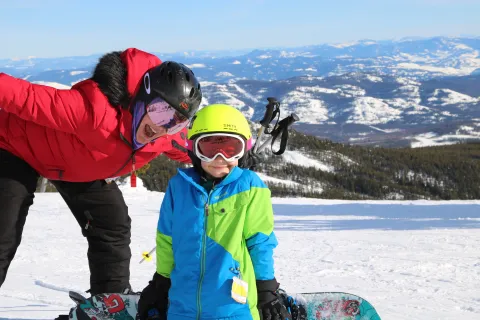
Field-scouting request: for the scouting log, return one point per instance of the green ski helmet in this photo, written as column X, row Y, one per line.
column 220, row 118
column 217, row 118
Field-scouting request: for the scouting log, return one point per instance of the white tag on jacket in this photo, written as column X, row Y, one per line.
column 239, row 290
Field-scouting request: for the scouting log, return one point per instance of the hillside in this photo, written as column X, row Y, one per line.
column 322, row 169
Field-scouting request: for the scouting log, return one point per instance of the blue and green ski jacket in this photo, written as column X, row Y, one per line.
column 206, row 239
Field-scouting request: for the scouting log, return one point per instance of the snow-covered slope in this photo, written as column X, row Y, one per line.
column 411, row 260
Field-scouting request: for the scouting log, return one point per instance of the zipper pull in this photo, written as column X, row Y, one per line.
column 206, row 209
column 89, row 218
column 133, row 162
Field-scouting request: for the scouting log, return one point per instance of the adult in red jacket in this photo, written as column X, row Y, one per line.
column 133, row 108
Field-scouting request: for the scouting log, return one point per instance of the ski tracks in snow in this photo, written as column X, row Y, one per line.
column 35, row 303
column 329, row 251
column 38, row 298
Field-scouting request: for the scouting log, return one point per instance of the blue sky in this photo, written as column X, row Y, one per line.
column 53, row 28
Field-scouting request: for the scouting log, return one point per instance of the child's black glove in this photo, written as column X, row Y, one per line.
column 270, row 305
column 153, row 303
column 296, row 309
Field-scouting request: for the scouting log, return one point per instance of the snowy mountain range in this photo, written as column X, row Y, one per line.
column 404, row 92
column 361, row 108
column 420, row 58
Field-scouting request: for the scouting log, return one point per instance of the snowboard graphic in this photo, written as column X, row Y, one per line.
column 104, row 306
column 336, row 306
column 319, row 306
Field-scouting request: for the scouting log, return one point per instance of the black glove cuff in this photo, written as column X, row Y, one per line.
column 154, row 296
column 162, row 284
column 266, row 291
column 267, row 285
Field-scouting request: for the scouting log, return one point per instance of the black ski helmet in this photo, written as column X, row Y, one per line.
column 176, row 84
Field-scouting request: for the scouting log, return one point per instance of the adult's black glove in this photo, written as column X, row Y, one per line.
column 270, row 305
column 153, row 303
column 250, row 160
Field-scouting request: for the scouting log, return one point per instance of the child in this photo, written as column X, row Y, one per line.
column 215, row 235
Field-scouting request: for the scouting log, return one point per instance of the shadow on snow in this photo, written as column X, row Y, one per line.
column 376, row 216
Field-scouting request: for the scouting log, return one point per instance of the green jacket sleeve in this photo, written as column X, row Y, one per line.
column 258, row 230
column 164, row 250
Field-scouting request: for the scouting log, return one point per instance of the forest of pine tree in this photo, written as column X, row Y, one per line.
column 440, row 172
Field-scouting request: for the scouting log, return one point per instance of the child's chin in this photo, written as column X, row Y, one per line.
column 217, row 174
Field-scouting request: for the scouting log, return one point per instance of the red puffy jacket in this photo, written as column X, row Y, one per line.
column 76, row 134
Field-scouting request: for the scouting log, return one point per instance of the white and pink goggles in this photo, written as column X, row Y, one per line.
column 229, row 146
column 164, row 115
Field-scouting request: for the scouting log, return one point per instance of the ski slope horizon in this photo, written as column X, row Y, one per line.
column 410, row 259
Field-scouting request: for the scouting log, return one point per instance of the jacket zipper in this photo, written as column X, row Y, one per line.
column 131, row 158
column 203, row 258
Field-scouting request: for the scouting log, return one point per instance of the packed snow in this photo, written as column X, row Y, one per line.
column 196, row 65
column 305, row 106
column 268, row 179
column 264, row 56
column 245, row 93
column 448, row 97
column 343, row 45
column 410, row 259
column 223, row 92
column 298, row 158
column 350, row 91
column 411, row 93
column 224, row 74
column 369, row 110
column 385, row 130
column 75, row 73
column 374, row 78
column 317, row 89
column 431, row 139
column 450, row 71
column 407, row 81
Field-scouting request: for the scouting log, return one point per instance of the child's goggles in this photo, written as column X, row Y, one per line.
column 164, row 115
column 229, row 146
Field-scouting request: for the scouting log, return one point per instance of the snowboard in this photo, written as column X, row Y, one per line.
column 318, row 305
column 336, row 306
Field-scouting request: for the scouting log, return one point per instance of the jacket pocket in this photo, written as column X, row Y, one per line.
column 235, row 203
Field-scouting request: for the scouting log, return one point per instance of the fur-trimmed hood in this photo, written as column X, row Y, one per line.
column 118, row 74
